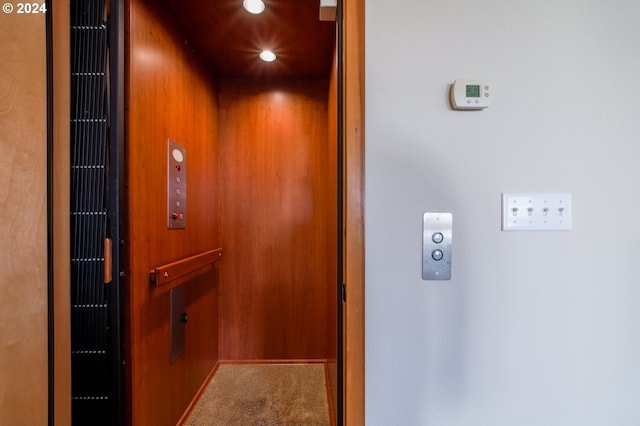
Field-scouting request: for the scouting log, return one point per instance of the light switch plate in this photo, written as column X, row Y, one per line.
column 536, row 212
column 436, row 246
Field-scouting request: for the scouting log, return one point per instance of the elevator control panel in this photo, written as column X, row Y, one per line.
column 436, row 246
column 176, row 186
column 470, row 94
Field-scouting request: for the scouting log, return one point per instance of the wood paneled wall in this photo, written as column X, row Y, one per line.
column 23, row 236
column 274, row 206
column 169, row 95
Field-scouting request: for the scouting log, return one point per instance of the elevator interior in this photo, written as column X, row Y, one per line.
column 260, row 142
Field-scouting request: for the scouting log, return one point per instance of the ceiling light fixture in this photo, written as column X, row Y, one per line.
column 267, row 56
column 253, row 6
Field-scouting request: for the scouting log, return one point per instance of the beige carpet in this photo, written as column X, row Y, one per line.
column 265, row 395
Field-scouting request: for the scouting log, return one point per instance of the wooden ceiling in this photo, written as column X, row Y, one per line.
column 230, row 38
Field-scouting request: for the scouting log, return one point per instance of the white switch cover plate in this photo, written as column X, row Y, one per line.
column 536, row 212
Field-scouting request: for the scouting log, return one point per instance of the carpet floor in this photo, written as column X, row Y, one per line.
column 264, row 395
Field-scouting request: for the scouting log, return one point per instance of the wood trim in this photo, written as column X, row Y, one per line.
column 330, row 393
column 178, row 272
column 61, row 206
column 354, row 211
column 272, row 361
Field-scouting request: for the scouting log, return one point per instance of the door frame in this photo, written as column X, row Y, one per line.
column 59, row 297
column 353, row 260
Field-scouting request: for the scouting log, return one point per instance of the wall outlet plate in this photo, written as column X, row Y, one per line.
column 536, row 212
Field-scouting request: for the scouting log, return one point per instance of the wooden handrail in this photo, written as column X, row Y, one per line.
column 178, row 272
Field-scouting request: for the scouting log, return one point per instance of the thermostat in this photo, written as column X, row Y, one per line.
column 470, row 94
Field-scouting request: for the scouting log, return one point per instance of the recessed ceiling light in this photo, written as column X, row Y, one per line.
column 253, row 6
column 267, row 56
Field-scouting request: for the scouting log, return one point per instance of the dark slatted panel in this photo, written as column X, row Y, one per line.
column 91, row 390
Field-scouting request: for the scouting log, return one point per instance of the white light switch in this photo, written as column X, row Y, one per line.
column 536, row 212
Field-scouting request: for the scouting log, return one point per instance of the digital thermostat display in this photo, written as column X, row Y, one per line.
column 470, row 94
column 473, row 91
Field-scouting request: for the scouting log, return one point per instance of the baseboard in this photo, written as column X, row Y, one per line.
column 272, row 361
column 198, row 394
column 329, row 389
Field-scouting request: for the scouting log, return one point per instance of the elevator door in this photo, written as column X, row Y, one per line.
column 95, row 320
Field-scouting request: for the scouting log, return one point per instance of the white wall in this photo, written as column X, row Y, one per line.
column 537, row 328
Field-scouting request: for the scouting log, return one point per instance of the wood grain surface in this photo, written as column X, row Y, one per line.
column 169, row 95
column 274, row 185
column 354, row 102
column 23, row 195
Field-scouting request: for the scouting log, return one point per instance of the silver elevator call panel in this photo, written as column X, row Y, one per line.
column 436, row 246
column 176, row 186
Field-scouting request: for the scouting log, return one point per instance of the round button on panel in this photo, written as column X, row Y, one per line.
column 437, row 237
column 437, row 255
column 177, row 155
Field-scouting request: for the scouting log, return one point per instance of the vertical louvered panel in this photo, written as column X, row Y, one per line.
column 91, row 390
